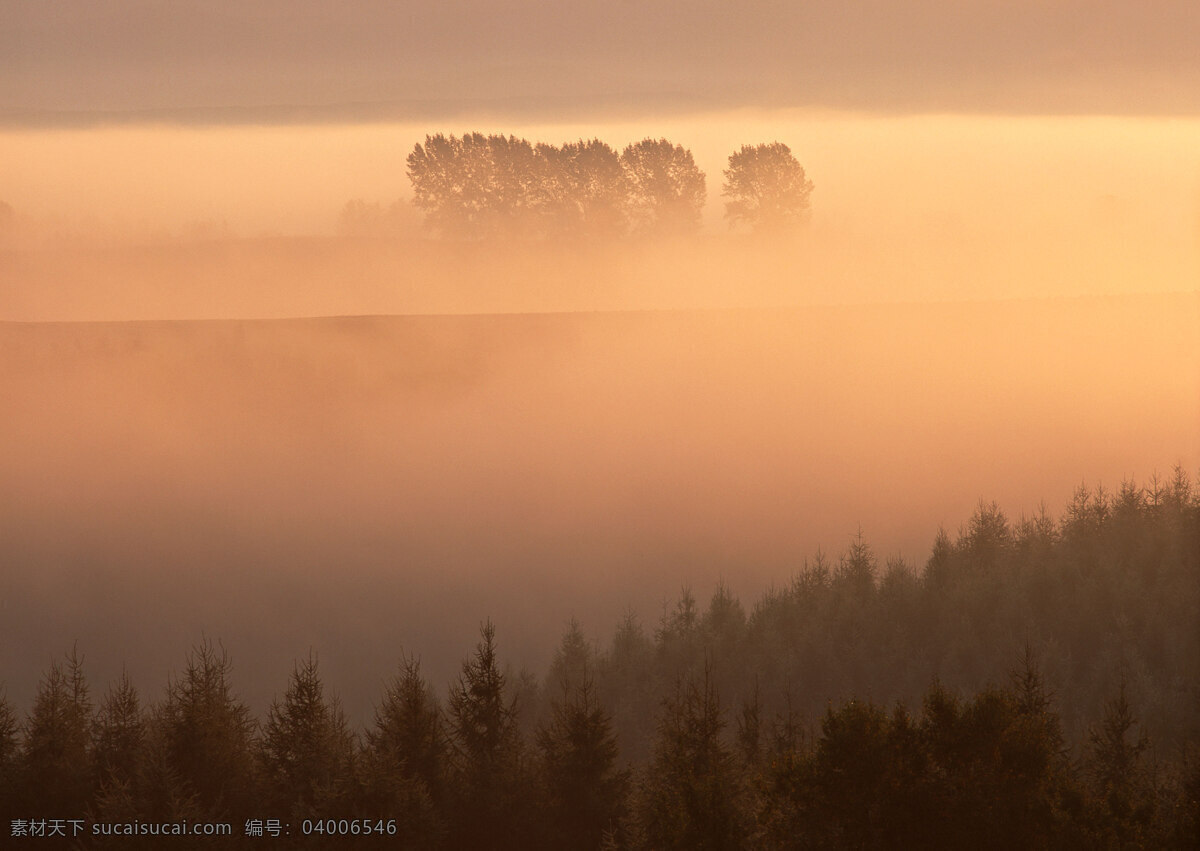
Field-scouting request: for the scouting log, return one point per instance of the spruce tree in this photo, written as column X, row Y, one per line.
column 207, row 736
column 691, row 795
column 585, row 791
column 404, row 761
column 1123, row 802
column 307, row 750
column 488, row 770
column 9, row 754
column 120, row 734
column 57, row 773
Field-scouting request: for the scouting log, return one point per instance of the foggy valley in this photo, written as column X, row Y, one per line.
column 609, row 425
column 363, row 485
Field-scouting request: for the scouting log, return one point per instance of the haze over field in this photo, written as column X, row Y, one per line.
column 161, row 222
column 365, row 484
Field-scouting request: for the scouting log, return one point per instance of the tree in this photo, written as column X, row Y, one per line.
column 120, row 734
column 855, row 573
column 57, row 773
column 307, row 749
column 207, row 735
column 692, row 795
column 487, row 751
column 122, row 761
column 996, row 768
column 584, row 189
column 666, row 189
column 585, row 791
column 627, row 685
column 572, row 658
column 8, row 754
column 405, row 760
column 1124, row 801
column 766, row 187
column 475, row 186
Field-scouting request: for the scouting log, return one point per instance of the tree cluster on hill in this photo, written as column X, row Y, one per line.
column 1036, row 686
column 478, row 186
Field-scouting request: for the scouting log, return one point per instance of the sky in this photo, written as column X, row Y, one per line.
column 71, row 61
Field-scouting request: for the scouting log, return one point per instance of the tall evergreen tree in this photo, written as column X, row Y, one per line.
column 57, row 772
column 207, row 735
column 1124, row 801
column 120, row 732
column 126, row 783
column 488, row 770
column 404, row 762
column 626, row 683
column 585, row 792
column 9, row 755
column 691, row 796
column 307, row 750
column 572, row 661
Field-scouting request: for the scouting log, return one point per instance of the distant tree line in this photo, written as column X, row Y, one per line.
column 1037, row 685
column 478, row 186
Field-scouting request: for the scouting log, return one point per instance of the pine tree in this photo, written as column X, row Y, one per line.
column 855, row 574
column 120, row 733
column 9, row 755
column 207, row 736
column 307, row 750
column 57, row 772
column 488, row 770
column 848, row 778
column 585, row 792
column 571, row 661
column 1035, row 700
column 749, row 730
column 626, row 685
column 126, row 785
column 691, row 795
column 120, row 736
column 404, row 761
column 1124, row 802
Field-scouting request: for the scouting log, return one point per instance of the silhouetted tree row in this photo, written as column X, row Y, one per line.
column 477, row 186
column 1058, row 708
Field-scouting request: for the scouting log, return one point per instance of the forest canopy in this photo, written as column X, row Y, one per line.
column 1034, row 685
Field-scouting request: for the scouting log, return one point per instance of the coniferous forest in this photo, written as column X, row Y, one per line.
column 1035, row 684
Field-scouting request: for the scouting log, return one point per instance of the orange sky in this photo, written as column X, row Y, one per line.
column 194, row 60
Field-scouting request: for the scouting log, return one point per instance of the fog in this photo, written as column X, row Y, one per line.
column 979, row 308
column 235, row 222
column 364, row 485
